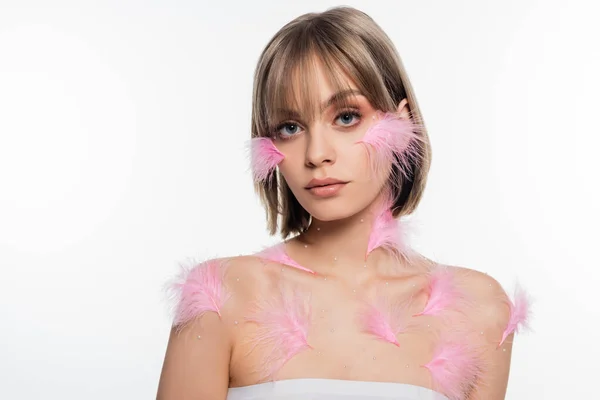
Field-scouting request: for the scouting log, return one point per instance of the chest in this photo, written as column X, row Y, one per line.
column 335, row 330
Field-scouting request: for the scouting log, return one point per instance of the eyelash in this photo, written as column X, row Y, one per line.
column 351, row 111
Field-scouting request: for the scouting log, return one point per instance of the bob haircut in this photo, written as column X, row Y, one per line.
column 346, row 41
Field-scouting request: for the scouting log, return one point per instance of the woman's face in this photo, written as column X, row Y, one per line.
column 327, row 150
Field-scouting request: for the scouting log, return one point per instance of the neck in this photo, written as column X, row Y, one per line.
column 343, row 245
column 345, row 239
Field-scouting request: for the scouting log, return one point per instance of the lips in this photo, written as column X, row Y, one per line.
column 323, row 182
column 324, row 188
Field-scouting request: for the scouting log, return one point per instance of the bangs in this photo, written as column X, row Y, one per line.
column 292, row 92
column 291, row 87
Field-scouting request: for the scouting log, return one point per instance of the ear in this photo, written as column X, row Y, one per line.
column 403, row 109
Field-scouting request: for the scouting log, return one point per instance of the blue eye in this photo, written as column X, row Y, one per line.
column 283, row 131
column 347, row 117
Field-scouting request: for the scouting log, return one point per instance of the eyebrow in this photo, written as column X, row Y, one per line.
column 334, row 98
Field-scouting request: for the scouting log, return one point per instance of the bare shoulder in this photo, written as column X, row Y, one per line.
column 489, row 314
column 209, row 299
column 487, row 296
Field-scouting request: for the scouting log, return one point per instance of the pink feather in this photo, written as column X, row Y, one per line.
column 278, row 254
column 200, row 290
column 283, row 321
column 392, row 140
column 454, row 368
column 388, row 232
column 443, row 291
column 264, row 158
column 384, row 320
column 519, row 313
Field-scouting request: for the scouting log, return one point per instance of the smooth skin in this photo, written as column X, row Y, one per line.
column 207, row 356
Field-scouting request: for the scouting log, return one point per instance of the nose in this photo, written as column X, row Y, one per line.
column 319, row 148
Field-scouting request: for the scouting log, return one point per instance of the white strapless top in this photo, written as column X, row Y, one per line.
column 332, row 389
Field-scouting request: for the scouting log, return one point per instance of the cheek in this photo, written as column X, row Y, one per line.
column 359, row 162
column 291, row 168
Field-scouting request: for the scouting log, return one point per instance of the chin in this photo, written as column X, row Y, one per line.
column 332, row 212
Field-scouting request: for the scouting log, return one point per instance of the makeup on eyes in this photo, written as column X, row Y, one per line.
column 352, row 110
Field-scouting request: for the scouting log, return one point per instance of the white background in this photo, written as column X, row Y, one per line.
column 122, row 134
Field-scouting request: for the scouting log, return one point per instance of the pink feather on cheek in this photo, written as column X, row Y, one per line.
column 392, row 140
column 264, row 158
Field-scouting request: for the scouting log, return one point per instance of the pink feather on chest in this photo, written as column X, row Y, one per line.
column 282, row 323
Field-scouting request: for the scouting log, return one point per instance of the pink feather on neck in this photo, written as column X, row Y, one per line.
column 454, row 368
column 392, row 140
column 388, row 232
column 200, row 290
column 282, row 327
column 519, row 313
column 443, row 291
column 278, row 254
column 264, row 158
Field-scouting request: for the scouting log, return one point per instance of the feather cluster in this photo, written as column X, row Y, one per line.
column 200, row 290
column 519, row 313
column 278, row 254
column 282, row 328
column 454, row 368
column 264, row 158
column 392, row 140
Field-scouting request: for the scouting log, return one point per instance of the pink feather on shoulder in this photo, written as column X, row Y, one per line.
column 282, row 327
column 278, row 254
column 519, row 313
column 392, row 140
column 454, row 367
column 443, row 291
column 264, row 158
column 200, row 290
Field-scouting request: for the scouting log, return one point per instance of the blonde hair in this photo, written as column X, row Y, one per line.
column 346, row 41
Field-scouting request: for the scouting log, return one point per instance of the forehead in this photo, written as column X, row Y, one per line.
column 311, row 87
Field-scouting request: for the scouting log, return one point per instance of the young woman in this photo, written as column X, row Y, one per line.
column 343, row 308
